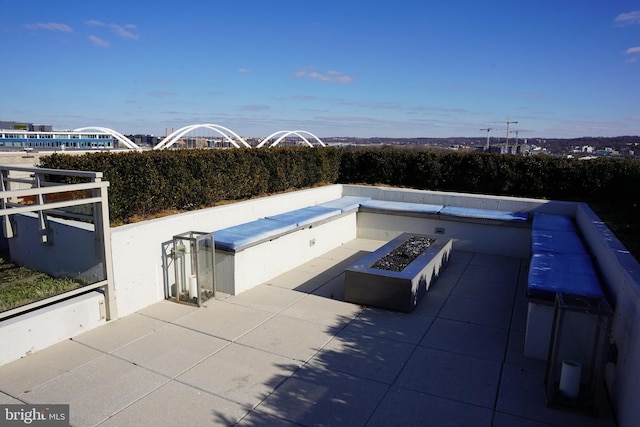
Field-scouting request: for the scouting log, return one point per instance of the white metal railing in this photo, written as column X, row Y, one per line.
column 24, row 190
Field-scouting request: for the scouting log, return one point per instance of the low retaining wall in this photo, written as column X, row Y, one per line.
column 621, row 272
column 469, row 236
column 50, row 325
column 142, row 264
column 237, row 272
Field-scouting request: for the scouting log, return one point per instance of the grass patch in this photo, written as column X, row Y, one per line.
column 20, row 286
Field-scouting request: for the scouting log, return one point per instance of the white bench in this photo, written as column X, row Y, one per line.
column 254, row 252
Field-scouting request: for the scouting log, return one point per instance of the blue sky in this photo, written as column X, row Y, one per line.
column 403, row 68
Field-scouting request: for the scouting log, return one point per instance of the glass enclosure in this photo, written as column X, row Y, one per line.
column 578, row 353
column 194, row 259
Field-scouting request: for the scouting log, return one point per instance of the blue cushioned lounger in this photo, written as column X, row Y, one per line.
column 553, row 222
column 556, row 242
column 571, row 273
column 384, row 206
column 250, row 233
column 346, row 203
column 485, row 214
column 305, row 216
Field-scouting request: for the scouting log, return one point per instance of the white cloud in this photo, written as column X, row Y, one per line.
column 632, row 50
column 95, row 23
column 328, row 76
column 627, row 18
column 124, row 31
column 98, row 41
column 52, row 26
column 243, row 70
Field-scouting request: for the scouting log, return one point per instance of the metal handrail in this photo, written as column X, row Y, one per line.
column 29, row 182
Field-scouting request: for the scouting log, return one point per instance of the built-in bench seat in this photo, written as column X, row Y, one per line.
column 245, row 251
column 243, row 236
column 485, row 214
column 559, row 263
column 254, row 252
column 553, row 223
column 558, row 242
column 559, row 260
column 400, row 208
column 550, row 273
column 471, row 228
column 454, row 212
column 346, row 203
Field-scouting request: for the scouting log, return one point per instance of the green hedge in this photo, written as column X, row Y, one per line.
column 150, row 182
column 604, row 179
column 144, row 184
column 611, row 186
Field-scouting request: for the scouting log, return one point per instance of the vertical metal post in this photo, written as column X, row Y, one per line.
column 7, row 226
column 42, row 216
column 103, row 231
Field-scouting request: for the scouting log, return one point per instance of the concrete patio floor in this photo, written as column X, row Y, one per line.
column 290, row 352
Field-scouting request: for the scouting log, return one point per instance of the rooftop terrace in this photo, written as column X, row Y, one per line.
column 291, row 352
column 281, row 347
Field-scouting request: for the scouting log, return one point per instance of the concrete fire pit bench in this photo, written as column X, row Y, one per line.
column 396, row 290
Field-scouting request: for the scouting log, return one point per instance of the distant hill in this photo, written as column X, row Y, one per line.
column 624, row 145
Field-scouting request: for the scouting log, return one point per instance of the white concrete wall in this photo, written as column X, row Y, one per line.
column 477, row 201
column 44, row 327
column 467, row 236
column 238, row 272
column 621, row 272
column 139, row 249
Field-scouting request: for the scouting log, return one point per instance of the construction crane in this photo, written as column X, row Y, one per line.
column 516, row 132
column 486, row 147
column 506, row 142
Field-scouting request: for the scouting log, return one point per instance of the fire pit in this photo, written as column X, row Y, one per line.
column 396, row 276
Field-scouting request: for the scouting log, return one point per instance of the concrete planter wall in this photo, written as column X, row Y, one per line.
column 141, row 263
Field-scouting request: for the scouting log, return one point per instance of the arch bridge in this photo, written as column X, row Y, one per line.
column 117, row 135
column 226, row 133
column 285, row 133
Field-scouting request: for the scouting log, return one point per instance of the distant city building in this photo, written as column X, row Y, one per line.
column 144, row 140
column 20, row 136
column 25, row 126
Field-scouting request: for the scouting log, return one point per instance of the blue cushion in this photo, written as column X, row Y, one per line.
column 305, row 216
column 346, row 203
column 553, row 222
column 551, row 241
column 485, row 214
column 247, row 234
column 400, row 207
column 570, row 273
